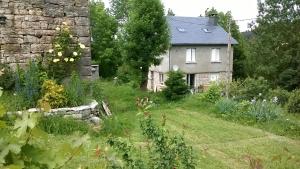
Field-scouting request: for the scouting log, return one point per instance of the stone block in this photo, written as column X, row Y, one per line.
column 82, row 21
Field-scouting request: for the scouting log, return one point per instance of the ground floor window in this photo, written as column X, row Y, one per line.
column 161, row 78
column 214, row 77
column 190, row 80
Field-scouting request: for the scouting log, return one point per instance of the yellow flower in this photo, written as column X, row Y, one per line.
column 71, row 36
column 75, row 53
column 57, row 28
column 64, row 23
column 57, row 45
column 59, row 54
column 66, row 59
column 72, row 60
column 56, row 60
column 51, row 50
column 82, row 46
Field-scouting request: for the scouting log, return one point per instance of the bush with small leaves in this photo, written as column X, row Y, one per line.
column 176, row 86
column 293, row 105
column 213, row 94
column 53, row 94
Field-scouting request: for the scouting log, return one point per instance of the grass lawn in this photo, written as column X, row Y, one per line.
column 217, row 143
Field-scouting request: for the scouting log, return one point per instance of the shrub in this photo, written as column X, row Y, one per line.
column 63, row 126
column 293, row 105
column 7, row 79
column 29, row 82
column 279, row 96
column 75, row 91
column 226, row 106
column 213, row 94
column 263, row 111
column 53, row 94
column 176, row 86
column 249, row 88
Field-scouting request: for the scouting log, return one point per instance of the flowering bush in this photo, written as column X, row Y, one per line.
column 53, row 95
column 279, row 96
column 66, row 51
column 263, row 111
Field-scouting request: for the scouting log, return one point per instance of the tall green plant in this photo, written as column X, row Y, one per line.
column 75, row 91
column 146, row 35
column 176, row 86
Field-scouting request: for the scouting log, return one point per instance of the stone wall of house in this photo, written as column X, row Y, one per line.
column 30, row 26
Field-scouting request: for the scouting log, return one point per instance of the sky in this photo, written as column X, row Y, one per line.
column 241, row 9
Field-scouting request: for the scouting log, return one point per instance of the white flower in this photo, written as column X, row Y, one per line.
column 71, row 36
column 15, row 94
column 57, row 45
column 264, row 100
column 72, row 60
column 56, row 60
column 57, row 28
column 66, row 59
column 82, row 46
column 275, row 99
column 259, row 94
column 59, row 54
column 75, row 53
column 64, row 23
column 50, row 50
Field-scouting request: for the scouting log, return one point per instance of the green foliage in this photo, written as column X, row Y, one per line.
column 75, row 91
column 120, row 10
column 263, row 111
column 28, row 84
column 170, row 12
column 25, row 146
column 249, row 88
column 176, row 86
column 226, row 106
column 105, row 51
column 62, row 126
column 279, row 96
column 113, row 126
column 293, row 105
column 53, row 94
column 7, row 80
column 67, row 50
column 147, row 36
column 213, row 94
column 275, row 48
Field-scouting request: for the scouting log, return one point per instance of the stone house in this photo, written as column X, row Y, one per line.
column 27, row 28
column 199, row 49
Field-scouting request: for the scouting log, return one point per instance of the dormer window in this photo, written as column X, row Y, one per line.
column 181, row 30
column 206, row 30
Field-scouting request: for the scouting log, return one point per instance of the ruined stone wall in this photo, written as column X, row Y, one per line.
column 30, row 26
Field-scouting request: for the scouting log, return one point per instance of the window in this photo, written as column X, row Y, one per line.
column 161, row 78
column 214, row 77
column 191, row 55
column 215, row 55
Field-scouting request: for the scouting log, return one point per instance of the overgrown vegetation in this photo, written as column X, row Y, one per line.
column 176, row 87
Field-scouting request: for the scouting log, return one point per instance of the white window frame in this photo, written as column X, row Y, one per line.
column 190, row 55
column 214, row 77
column 215, row 55
column 161, row 78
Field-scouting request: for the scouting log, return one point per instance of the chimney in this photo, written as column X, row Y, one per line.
column 213, row 19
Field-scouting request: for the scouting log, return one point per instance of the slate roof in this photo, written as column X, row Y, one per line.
column 196, row 31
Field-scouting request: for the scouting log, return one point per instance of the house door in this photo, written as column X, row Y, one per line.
column 190, row 80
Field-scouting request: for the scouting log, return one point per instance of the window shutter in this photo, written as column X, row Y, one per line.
column 193, row 52
column 188, row 55
column 217, row 55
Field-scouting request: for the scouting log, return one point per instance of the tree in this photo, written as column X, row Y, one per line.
column 170, row 12
column 104, row 45
column 120, row 9
column 147, row 37
column 275, row 47
column 176, row 86
column 240, row 53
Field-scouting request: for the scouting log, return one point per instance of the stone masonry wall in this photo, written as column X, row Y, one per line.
column 30, row 26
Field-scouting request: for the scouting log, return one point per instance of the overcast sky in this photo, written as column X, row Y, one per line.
column 241, row 9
